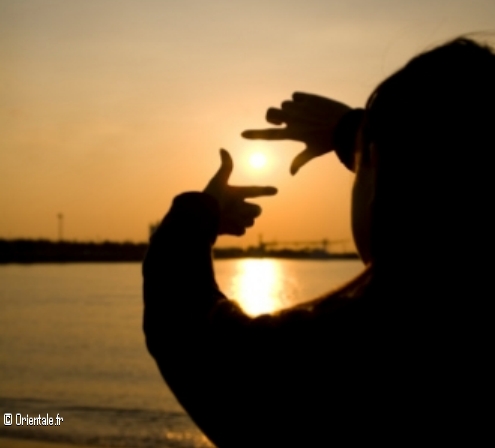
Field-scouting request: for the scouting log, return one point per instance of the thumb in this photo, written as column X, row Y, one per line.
column 301, row 159
column 225, row 169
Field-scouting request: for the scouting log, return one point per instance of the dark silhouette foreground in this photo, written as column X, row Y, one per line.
column 402, row 353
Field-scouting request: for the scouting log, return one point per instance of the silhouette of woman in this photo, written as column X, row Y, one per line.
column 401, row 353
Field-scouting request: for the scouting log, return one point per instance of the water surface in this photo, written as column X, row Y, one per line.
column 71, row 343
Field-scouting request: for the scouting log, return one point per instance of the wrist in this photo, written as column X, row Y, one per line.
column 195, row 214
column 344, row 137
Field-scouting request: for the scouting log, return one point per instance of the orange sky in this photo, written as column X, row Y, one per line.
column 109, row 109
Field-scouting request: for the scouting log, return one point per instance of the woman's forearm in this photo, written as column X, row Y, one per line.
column 179, row 284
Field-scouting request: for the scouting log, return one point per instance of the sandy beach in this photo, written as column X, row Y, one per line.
column 23, row 443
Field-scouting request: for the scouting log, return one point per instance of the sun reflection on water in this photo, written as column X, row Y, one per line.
column 258, row 286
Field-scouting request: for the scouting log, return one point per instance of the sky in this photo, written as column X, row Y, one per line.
column 110, row 108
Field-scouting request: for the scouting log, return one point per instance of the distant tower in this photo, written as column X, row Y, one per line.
column 261, row 244
column 60, row 226
column 324, row 244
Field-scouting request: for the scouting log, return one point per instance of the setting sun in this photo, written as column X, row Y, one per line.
column 257, row 160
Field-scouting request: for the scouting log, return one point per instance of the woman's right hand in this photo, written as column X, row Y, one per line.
column 310, row 119
column 236, row 214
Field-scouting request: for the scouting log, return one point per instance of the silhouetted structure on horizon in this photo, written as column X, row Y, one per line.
column 45, row 251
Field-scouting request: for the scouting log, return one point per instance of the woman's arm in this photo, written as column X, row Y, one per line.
column 220, row 363
column 199, row 339
column 178, row 262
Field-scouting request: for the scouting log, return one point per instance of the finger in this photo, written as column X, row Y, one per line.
column 233, row 229
column 300, row 113
column 238, row 231
column 305, row 113
column 275, row 116
column 225, row 170
column 290, row 107
column 242, row 222
column 300, row 97
column 253, row 192
column 301, row 159
column 249, row 222
column 268, row 134
column 244, row 218
column 250, row 211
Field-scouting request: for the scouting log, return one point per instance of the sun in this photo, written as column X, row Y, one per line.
column 257, row 160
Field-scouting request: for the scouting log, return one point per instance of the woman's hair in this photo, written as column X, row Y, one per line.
column 433, row 126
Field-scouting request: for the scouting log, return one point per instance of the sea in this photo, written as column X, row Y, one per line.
column 72, row 348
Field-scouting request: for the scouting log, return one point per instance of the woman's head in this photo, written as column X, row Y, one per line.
column 429, row 134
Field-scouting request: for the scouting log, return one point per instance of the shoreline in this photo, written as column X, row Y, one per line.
column 45, row 251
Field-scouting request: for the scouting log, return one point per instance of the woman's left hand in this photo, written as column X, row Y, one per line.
column 235, row 213
column 310, row 119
